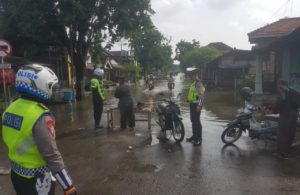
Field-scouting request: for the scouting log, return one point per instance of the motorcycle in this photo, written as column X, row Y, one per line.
column 244, row 121
column 169, row 119
column 171, row 85
column 150, row 85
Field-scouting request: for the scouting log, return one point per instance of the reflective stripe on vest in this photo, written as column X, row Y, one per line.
column 96, row 86
column 18, row 121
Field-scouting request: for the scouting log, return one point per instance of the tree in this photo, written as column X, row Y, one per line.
column 183, row 47
column 77, row 25
column 199, row 56
column 151, row 49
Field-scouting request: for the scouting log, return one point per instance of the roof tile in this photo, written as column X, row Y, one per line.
column 279, row 28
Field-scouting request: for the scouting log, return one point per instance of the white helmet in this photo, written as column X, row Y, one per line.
column 36, row 80
column 98, row 72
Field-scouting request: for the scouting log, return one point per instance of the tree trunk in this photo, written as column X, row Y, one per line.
column 79, row 71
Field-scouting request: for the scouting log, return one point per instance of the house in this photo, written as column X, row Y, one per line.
column 225, row 70
column 122, row 56
column 277, row 48
column 126, row 60
column 220, row 46
column 111, row 68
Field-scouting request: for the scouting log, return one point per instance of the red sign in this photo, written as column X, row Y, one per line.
column 5, row 48
column 9, row 77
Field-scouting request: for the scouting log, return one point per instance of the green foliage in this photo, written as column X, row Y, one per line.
column 248, row 80
column 76, row 25
column 152, row 50
column 183, row 47
column 107, row 82
column 132, row 68
column 198, row 57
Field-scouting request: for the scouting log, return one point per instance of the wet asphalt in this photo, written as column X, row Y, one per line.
column 111, row 162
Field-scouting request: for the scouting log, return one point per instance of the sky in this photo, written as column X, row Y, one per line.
column 226, row 21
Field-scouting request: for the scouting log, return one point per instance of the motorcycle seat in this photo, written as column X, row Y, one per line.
column 162, row 105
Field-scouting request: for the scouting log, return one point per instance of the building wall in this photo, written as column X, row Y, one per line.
column 290, row 69
column 294, row 69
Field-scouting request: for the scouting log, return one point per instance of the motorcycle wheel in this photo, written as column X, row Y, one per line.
column 231, row 134
column 178, row 131
column 161, row 122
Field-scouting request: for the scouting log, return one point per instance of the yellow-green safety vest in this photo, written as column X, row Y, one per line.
column 193, row 94
column 95, row 84
column 18, row 121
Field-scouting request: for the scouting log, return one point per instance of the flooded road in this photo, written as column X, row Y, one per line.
column 103, row 163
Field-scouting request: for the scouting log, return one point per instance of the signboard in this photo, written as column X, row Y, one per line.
column 5, row 66
column 9, row 77
column 5, row 48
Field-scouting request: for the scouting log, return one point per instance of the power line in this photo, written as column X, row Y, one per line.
column 291, row 8
column 281, row 7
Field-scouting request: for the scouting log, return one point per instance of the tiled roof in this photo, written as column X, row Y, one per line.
column 222, row 47
column 237, row 54
column 279, row 28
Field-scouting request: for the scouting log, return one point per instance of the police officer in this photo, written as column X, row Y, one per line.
column 287, row 104
column 196, row 98
column 29, row 134
column 98, row 96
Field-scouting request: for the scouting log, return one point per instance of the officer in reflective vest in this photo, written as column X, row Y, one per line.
column 196, row 98
column 98, row 96
column 29, row 134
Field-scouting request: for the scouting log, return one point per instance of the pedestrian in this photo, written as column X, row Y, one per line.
column 29, row 133
column 171, row 82
column 98, row 96
column 196, row 98
column 125, row 105
column 287, row 104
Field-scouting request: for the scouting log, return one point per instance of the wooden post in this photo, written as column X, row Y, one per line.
column 149, row 120
column 107, row 115
column 112, row 118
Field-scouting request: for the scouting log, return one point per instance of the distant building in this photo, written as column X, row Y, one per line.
column 122, row 57
column 224, row 70
column 220, row 46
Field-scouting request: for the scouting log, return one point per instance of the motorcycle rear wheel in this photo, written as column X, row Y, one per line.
column 178, row 131
column 231, row 134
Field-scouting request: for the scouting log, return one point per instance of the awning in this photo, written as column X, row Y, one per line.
column 111, row 64
column 191, row 69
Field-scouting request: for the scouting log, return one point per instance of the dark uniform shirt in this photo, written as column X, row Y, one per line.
column 123, row 93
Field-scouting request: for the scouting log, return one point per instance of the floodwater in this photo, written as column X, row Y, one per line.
column 111, row 162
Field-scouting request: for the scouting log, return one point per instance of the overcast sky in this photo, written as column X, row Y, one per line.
column 226, row 21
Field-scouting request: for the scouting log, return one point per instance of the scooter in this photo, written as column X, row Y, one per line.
column 244, row 121
column 169, row 119
column 150, row 85
column 171, row 85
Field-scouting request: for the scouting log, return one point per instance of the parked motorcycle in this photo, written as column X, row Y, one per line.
column 169, row 119
column 244, row 121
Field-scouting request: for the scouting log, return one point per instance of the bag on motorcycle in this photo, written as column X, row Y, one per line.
column 255, row 128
